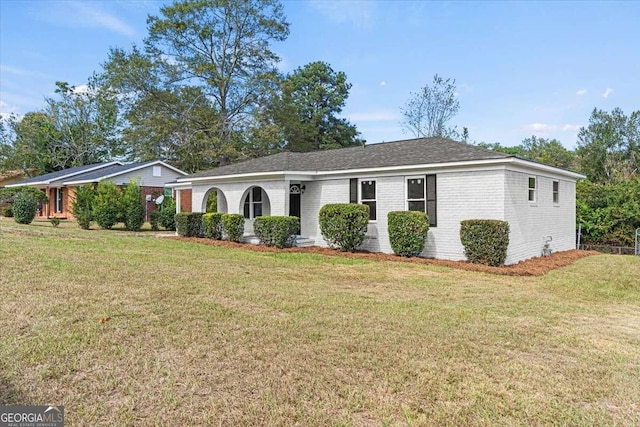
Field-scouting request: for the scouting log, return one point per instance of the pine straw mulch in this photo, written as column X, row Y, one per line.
column 538, row 266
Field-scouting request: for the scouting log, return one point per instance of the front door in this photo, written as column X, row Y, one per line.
column 294, row 200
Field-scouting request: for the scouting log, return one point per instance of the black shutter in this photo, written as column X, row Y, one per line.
column 432, row 202
column 353, row 190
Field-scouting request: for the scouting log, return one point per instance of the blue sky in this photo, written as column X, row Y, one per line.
column 521, row 68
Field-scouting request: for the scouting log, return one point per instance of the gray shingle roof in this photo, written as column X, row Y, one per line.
column 420, row 151
column 53, row 176
column 107, row 171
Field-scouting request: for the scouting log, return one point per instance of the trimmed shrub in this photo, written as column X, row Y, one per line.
column 408, row 232
column 168, row 214
column 485, row 241
column 344, row 224
column 278, row 231
column 24, row 208
column 81, row 207
column 133, row 206
column 107, row 204
column 154, row 220
column 212, row 225
column 189, row 224
column 233, row 226
column 55, row 222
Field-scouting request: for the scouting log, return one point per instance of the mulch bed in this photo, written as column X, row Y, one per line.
column 532, row 267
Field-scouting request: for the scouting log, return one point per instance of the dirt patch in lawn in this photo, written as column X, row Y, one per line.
column 538, row 266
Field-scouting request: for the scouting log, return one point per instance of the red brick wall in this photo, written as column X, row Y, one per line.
column 185, row 201
column 155, row 192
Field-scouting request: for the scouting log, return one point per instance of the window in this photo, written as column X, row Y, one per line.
column 368, row 197
column 58, row 201
column 253, row 203
column 421, row 196
column 157, row 171
column 556, row 192
column 532, row 189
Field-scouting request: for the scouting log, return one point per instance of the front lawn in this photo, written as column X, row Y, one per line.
column 130, row 329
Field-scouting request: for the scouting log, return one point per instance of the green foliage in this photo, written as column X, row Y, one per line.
column 428, row 111
column 609, row 148
column 233, row 226
column 55, row 222
column 485, row 241
column 167, row 214
column 154, row 220
column 24, row 208
column 344, row 224
column 82, row 206
column 608, row 213
column 8, row 194
column 189, row 224
column 278, row 231
column 212, row 202
column 407, row 232
column 107, row 204
column 541, row 150
column 212, row 224
column 7, row 211
column 133, row 206
column 307, row 111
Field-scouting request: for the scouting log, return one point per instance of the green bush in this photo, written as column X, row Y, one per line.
column 233, row 226
column 278, row 231
column 344, row 224
column 154, row 220
column 107, row 204
column 133, row 206
column 408, row 232
column 485, row 241
column 55, row 222
column 8, row 194
column 7, row 211
column 24, row 208
column 212, row 225
column 189, row 224
column 81, row 207
column 167, row 214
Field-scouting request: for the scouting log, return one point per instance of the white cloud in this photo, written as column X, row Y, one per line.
column 81, row 89
column 79, row 14
column 571, row 128
column 547, row 129
column 374, row 116
column 383, row 83
column 358, row 13
column 581, row 92
column 608, row 91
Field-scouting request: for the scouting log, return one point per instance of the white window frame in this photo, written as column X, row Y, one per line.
column 555, row 192
column 532, row 191
column 252, row 203
column 59, row 203
column 157, row 171
column 361, row 200
column 406, row 191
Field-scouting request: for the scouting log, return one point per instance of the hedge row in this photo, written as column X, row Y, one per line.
column 344, row 225
column 212, row 225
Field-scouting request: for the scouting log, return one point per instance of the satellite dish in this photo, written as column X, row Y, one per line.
column 159, row 200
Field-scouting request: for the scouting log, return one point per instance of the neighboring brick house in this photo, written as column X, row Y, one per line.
column 449, row 180
column 60, row 186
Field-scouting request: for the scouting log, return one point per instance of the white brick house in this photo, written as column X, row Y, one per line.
column 449, row 180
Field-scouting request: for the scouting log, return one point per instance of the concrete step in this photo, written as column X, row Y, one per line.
column 303, row 242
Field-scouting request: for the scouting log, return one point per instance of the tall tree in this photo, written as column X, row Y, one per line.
column 609, row 148
column 547, row 151
column 200, row 73
column 428, row 111
column 312, row 97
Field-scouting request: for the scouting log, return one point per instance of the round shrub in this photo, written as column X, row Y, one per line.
column 212, row 225
column 278, row 231
column 344, row 225
column 167, row 214
column 189, row 224
column 407, row 232
column 24, row 208
column 233, row 226
column 485, row 241
column 107, row 204
column 81, row 207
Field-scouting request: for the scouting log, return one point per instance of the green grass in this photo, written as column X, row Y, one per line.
column 205, row 335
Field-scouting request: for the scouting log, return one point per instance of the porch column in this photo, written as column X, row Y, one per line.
column 178, row 200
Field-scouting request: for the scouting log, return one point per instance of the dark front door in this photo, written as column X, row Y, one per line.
column 294, row 200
